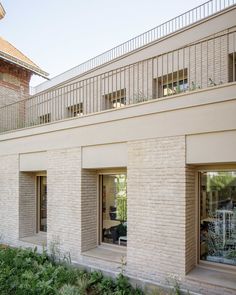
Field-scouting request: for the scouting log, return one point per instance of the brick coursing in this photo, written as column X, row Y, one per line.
column 156, row 207
column 64, row 200
column 9, row 199
column 14, row 83
column 89, row 210
column 27, row 204
column 161, row 210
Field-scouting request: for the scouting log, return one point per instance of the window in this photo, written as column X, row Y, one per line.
column 113, row 213
column 232, row 67
column 116, row 99
column 75, row 110
column 218, row 216
column 45, row 118
column 42, row 203
column 170, row 84
column 175, row 87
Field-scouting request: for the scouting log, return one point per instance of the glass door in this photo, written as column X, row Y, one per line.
column 218, row 216
column 113, row 212
column 42, row 203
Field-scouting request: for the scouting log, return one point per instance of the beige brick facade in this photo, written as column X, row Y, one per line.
column 156, row 207
column 9, row 199
column 89, row 210
column 27, row 204
column 161, row 143
column 64, row 200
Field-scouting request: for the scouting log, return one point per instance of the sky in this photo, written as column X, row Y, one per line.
column 58, row 34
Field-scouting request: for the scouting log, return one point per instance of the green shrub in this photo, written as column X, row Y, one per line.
column 69, row 290
column 27, row 272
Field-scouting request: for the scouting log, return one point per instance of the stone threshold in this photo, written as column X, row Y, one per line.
column 39, row 239
column 219, row 278
column 110, row 253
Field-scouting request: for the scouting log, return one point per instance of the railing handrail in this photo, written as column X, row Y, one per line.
column 181, row 21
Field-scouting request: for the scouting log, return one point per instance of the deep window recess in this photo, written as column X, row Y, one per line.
column 170, row 84
column 113, row 209
column 42, row 203
column 116, row 99
column 218, row 216
column 75, row 110
column 232, row 67
column 45, row 118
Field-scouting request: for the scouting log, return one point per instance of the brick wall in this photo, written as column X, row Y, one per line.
column 190, row 219
column 27, row 204
column 14, row 83
column 14, row 86
column 64, row 200
column 89, row 210
column 157, row 208
column 9, row 206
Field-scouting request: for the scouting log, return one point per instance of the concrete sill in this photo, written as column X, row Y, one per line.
column 39, row 239
column 213, row 277
column 108, row 253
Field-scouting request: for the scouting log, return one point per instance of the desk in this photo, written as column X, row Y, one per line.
column 107, row 223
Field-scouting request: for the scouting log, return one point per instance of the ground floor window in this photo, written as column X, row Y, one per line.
column 218, row 216
column 113, row 212
column 42, row 203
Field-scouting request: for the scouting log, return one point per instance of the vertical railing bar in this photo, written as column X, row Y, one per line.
column 133, row 100
column 152, row 79
column 195, row 64
column 172, row 72
column 178, row 86
column 120, row 85
column 184, row 70
column 201, row 61
column 99, row 94
column 96, row 100
column 142, row 75
column 83, row 96
column 207, row 58
column 162, row 78
column 234, row 60
column 220, row 60
column 124, row 85
column 104, row 92
column 167, row 74
column 147, row 77
column 116, row 87
column 189, row 66
column 138, row 91
column 129, row 85
column 214, row 60
column 157, row 84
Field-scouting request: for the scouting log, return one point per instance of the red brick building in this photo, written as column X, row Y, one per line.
column 16, row 71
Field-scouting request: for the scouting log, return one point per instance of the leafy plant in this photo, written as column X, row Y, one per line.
column 69, row 290
column 139, row 96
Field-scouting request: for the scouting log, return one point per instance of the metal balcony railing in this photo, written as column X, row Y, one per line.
column 188, row 18
column 197, row 66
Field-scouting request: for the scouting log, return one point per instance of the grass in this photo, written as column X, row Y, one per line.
column 27, row 272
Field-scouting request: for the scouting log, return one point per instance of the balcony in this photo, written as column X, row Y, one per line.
column 176, row 24
column 207, row 63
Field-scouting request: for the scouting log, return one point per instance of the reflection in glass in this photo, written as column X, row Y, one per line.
column 114, row 209
column 218, row 217
column 42, row 182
